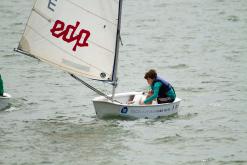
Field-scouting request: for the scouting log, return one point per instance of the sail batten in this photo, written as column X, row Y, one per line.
column 94, row 77
column 42, row 15
column 78, row 36
column 88, row 11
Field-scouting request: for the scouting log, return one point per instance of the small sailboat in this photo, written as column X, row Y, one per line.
column 82, row 38
column 4, row 97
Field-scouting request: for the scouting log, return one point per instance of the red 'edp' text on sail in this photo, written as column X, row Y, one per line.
column 68, row 34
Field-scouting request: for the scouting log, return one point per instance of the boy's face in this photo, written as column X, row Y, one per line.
column 149, row 81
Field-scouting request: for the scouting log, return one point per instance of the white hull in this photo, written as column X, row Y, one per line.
column 4, row 101
column 105, row 108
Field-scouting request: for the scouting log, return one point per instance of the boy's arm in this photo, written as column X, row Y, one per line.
column 157, row 86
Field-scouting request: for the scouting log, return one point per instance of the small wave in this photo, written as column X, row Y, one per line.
column 169, row 139
column 15, row 104
column 233, row 18
column 204, row 161
column 162, row 5
column 188, row 116
column 191, row 89
column 233, row 58
column 208, row 82
column 179, row 66
column 204, row 75
column 220, row 140
column 17, row 23
column 130, row 45
column 48, row 100
column 11, row 109
column 239, row 162
column 9, row 55
column 5, row 107
column 222, row 13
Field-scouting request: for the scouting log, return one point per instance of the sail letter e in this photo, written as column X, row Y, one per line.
column 68, row 34
column 58, row 27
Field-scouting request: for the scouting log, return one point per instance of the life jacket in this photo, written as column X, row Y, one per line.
column 166, row 86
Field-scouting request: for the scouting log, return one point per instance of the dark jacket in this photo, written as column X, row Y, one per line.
column 166, row 86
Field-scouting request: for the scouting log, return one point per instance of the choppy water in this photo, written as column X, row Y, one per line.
column 199, row 46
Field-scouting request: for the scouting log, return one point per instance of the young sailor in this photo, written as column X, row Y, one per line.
column 1, row 86
column 160, row 89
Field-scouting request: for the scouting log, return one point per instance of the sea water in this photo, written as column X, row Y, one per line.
column 198, row 46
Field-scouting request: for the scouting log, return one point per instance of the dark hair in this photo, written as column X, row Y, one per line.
column 151, row 74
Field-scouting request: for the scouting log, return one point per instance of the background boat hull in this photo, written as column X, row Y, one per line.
column 4, row 102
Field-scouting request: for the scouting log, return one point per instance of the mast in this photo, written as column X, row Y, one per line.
column 115, row 67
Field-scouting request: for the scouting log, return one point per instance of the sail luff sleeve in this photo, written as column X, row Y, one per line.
column 115, row 67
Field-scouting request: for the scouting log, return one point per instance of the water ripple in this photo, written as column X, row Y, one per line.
column 179, row 66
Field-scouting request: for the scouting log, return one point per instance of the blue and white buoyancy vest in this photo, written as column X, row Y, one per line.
column 166, row 86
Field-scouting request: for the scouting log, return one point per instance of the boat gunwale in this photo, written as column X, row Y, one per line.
column 102, row 99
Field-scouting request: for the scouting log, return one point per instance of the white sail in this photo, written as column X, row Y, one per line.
column 78, row 36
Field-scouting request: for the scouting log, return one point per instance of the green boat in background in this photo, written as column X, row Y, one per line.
column 4, row 97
